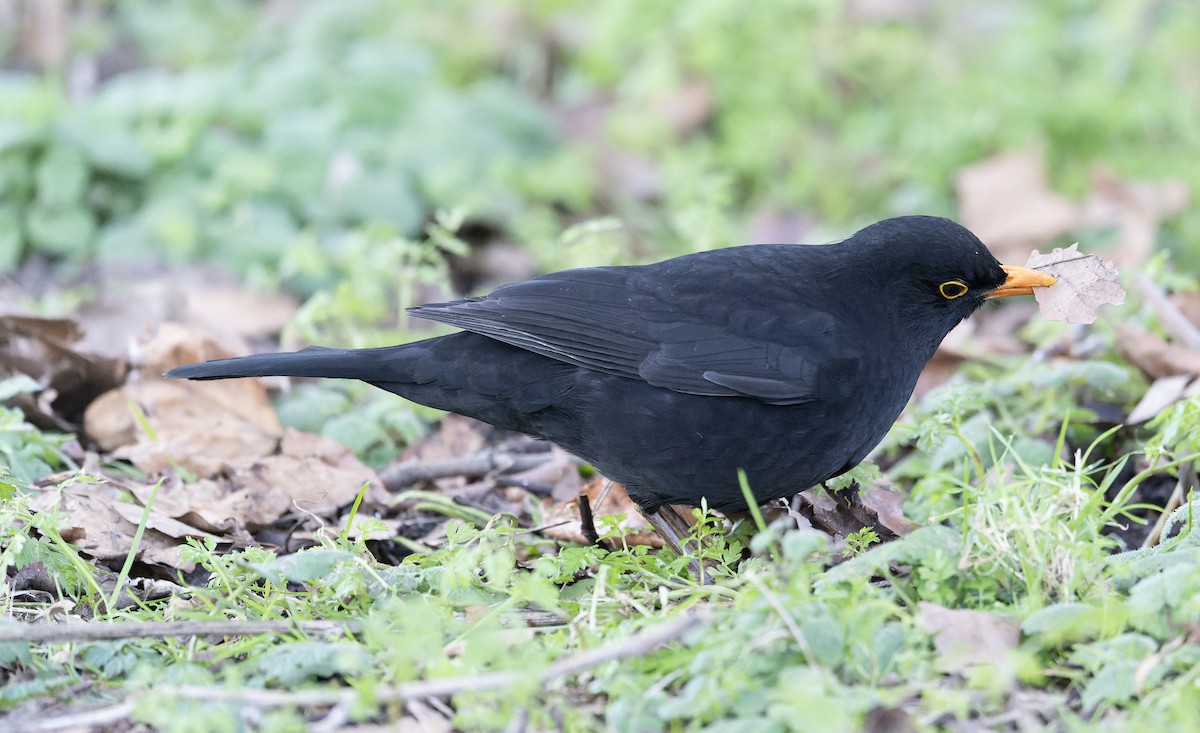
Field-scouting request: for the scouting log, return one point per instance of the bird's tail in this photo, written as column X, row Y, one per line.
column 315, row 361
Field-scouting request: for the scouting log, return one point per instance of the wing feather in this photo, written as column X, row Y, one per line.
column 659, row 327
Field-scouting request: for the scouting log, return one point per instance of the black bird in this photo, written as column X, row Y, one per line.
column 789, row 362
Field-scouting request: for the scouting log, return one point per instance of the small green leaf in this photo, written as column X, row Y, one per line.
column 304, row 566
column 61, row 177
column 1112, row 684
column 1066, row 622
column 66, row 231
column 12, row 241
column 291, row 664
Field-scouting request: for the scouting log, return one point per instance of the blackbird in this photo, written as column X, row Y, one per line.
column 788, row 362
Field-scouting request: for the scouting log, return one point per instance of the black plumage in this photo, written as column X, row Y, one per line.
column 789, row 362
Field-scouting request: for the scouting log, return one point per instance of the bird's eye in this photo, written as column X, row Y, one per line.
column 952, row 289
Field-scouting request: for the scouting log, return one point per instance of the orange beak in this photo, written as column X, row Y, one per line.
column 1021, row 281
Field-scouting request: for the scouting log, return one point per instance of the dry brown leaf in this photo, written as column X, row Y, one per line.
column 888, row 505
column 199, row 425
column 1085, row 282
column 101, row 519
column 47, row 350
column 174, row 344
column 311, row 474
column 204, row 504
column 1154, row 356
column 840, row 514
column 966, row 638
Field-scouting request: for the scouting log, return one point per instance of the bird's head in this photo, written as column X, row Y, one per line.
column 937, row 272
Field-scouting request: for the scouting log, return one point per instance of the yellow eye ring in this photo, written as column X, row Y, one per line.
column 952, row 289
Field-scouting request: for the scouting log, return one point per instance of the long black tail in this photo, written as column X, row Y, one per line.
column 463, row 372
column 315, row 361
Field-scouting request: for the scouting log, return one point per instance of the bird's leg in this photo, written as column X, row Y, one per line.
column 674, row 530
column 587, row 522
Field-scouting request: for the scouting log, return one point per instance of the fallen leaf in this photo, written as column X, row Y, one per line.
column 966, row 638
column 1085, row 282
column 1164, row 392
column 888, row 505
column 311, row 473
column 102, row 516
column 197, row 425
column 850, row 509
column 48, row 351
column 456, row 436
column 1154, row 356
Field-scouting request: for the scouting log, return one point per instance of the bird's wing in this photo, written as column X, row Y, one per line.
column 617, row 321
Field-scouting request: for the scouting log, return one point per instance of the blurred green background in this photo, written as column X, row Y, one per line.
column 290, row 140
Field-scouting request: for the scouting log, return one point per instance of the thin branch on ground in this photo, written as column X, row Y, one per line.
column 102, row 631
column 87, row 720
column 637, row 644
column 1187, row 480
column 1172, row 319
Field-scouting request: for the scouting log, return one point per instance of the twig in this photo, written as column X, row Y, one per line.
column 401, row 475
column 534, row 618
column 1187, row 479
column 1171, row 318
column 642, row 642
column 98, row 631
column 88, row 720
column 540, row 490
column 636, row 644
column 108, row 631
